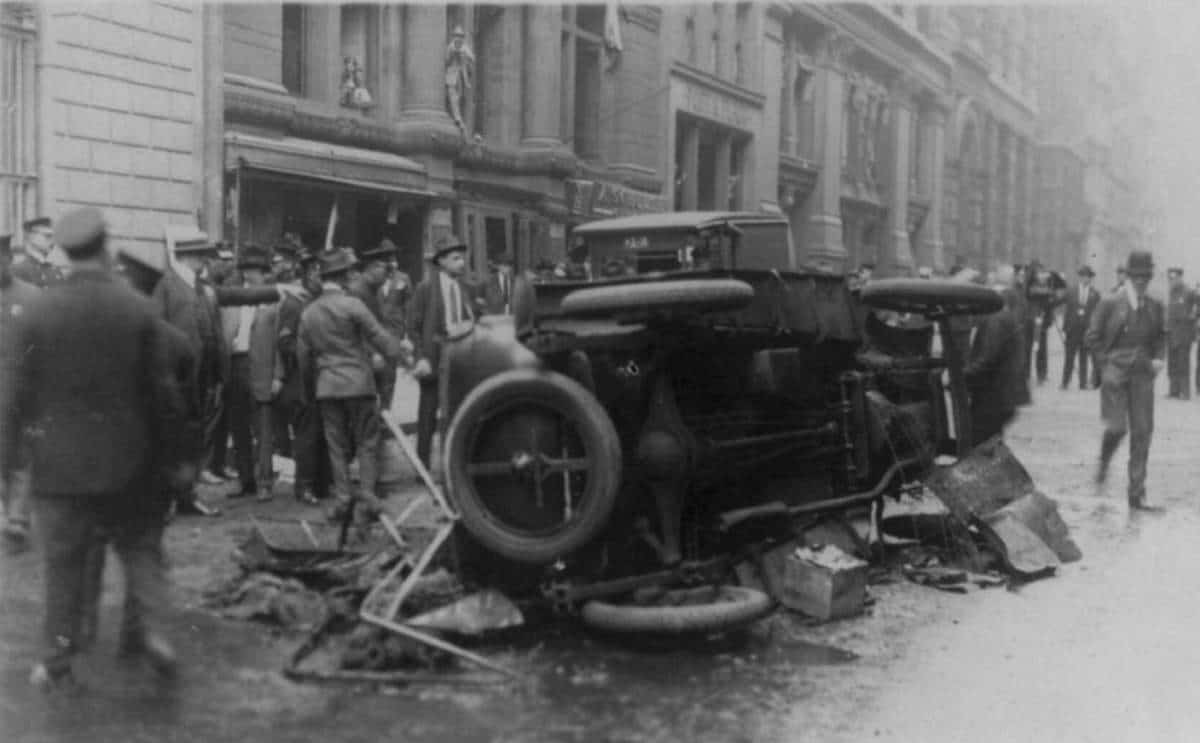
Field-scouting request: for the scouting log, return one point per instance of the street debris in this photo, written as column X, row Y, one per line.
column 820, row 581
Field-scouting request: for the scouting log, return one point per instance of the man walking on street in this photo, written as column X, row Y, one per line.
column 995, row 367
column 1127, row 335
column 93, row 380
column 441, row 306
column 336, row 338
column 1181, row 331
column 1077, row 313
column 15, row 296
column 1044, row 294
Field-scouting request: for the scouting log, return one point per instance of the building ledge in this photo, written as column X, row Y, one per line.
column 720, row 85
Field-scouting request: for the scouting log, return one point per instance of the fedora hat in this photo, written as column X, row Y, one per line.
column 447, row 244
column 252, row 255
column 337, row 261
column 384, row 251
column 1140, row 264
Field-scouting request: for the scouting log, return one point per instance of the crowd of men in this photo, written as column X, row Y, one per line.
column 1114, row 340
column 127, row 372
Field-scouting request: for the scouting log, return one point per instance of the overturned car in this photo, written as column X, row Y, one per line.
column 680, row 395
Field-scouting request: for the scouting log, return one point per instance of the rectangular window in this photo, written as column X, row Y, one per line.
column 18, row 111
column 293, row 48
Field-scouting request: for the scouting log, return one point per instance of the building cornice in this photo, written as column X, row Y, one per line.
column 715, row 83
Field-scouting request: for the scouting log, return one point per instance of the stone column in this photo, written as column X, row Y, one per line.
column 824, row 229
column 543, row 69
column 322, row 52
column 390, row 61
column 722, row 154
column 691, row 166
column 787, row 103
column 212, row 100
column 933, row 147
column 899, row 256
column 424, row 49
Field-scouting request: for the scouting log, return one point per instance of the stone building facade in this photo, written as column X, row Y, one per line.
column 901, row 135
column 100, row 108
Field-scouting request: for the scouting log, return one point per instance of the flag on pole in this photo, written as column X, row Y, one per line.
column 333, row 220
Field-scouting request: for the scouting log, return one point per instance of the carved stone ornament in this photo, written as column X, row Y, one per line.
column 834, row 49
column 460, row 76
column 354, row 90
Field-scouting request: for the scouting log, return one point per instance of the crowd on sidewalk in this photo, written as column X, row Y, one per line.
column 131, row 375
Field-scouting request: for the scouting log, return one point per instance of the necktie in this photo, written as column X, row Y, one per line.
column 455, row 303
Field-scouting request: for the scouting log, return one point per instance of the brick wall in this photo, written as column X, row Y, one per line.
column 124, row 112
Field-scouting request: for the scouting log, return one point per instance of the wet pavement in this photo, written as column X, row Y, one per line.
column 919, row 665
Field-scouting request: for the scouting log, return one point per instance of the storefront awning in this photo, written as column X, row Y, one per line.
column 292, row 158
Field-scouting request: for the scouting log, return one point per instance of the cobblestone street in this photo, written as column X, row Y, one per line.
column 1098, row 653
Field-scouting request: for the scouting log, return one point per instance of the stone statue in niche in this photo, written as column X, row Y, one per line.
column 460, row 76
column 354, row 89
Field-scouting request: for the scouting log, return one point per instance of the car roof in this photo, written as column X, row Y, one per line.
column 673, row 221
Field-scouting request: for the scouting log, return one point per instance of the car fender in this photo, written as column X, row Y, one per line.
column 488, row 348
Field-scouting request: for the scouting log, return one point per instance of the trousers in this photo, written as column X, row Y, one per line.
column 264, row 443
column 74, row 532
column 352, row 430
column 309, row 450
column 427, row 419
column 1127, row 406
column 1179, row 372
column 1074, row 349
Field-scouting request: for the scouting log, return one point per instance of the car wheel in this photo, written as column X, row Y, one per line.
column 705, row 610
column 533, row 464
column 927, row 296
column 686, row 295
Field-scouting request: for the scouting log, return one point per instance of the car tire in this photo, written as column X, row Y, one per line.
column 595, row 433
column 732, row 607
column 690, row 295
column 924, row 296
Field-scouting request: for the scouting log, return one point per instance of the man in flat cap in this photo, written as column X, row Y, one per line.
column 1127, row 333
column 376, row 266
column 15, row 296
column 336, row 338
column 35, row 265
column 1181, row 331
column 1080, row 303
column 441, row 307
column 93, row 380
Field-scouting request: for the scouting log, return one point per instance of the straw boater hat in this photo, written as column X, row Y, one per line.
column 185, row 240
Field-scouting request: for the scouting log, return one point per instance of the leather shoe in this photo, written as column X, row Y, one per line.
column 1142, row 505
column 209, row 477
column 196, row 507
column 160, row 655
column 59, row 680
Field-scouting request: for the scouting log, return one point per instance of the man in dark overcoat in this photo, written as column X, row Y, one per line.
column 995, row 367
column 1078, row 307
column 15, row 295
column 92, row 395
column 1128, row 334
column 297, row 398
column 441, row 307
column 34, row 265
column 336, row 338
column 1181, row 331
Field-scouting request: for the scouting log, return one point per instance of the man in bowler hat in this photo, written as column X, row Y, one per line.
column 93, row 380
column 441, row 305
column 1078, row 307
column 1127, row 334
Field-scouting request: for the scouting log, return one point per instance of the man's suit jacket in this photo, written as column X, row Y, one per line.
column 1077, row 315
column 265, row 366
column 1110, row 318
column 393, row 303
column 1181, row 317
column 427, row 316
column 336, row 336
column 41, row 274
column 91, row 390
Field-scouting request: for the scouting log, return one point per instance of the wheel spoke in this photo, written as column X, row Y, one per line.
column 489, row 469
